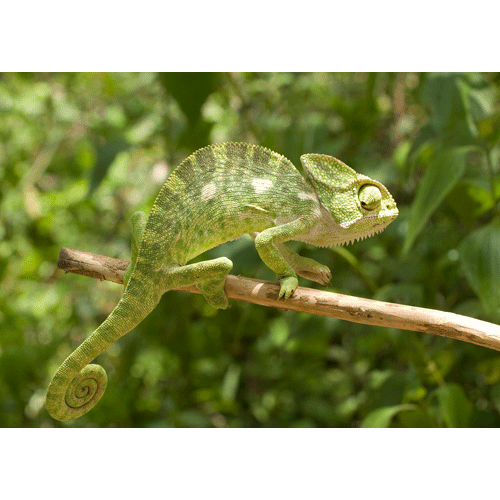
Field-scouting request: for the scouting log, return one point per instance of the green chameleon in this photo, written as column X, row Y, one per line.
column 215, row 195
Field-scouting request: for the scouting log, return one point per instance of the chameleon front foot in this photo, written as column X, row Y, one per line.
column 305, row 267
column 288, row 286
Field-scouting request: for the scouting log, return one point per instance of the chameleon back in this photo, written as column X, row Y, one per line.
column 218, row 194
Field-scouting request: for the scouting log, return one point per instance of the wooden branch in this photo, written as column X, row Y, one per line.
column 334, row 305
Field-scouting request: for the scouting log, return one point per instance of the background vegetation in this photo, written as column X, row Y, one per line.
column 79, row 153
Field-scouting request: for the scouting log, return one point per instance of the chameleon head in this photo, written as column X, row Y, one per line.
column 359, row 206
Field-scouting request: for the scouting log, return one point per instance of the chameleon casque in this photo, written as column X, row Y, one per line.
column 215, row 195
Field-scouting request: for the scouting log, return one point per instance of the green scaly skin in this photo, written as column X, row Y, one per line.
column 216, row 195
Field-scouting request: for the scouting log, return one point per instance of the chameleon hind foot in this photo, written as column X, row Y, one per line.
column 213, row 288
column 209, row 276
column 216, row 299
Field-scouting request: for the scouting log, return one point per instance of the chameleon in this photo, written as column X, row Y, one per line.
column 217, row 194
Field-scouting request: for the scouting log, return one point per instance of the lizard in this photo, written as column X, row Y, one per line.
column 217, row 194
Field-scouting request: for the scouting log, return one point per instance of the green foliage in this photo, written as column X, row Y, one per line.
column 442, row 174
column 79, row 153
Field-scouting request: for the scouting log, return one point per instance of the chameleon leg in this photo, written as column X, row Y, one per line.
column 209, row 276
column 139, row 220
column 307, row 268
column 265, row 243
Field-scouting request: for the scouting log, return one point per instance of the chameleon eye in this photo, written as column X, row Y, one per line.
column 369, row 196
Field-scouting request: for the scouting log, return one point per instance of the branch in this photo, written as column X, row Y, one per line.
column 334, row 305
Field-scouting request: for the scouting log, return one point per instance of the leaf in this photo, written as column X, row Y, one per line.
column 426, row 134
column 417, row 418
column 470, row 200
column 444, row 171
column 452, row 99
column 495, row 396
column 106, row 153
column 191, row 91
column 439, row 91
column 480, row 259
column 490, row 368
column 478, row 100
column 454, row 407
column 382, row 417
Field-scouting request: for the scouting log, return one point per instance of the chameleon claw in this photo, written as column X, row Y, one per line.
column 288, row 286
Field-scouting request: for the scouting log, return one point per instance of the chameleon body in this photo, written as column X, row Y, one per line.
column 215, row 195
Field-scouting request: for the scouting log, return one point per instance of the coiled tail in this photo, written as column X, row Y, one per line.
column 77, row 386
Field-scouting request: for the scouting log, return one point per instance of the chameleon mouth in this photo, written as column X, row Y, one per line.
column 360, row 237
column 380, row 222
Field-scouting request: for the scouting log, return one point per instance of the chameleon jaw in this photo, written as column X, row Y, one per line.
column 379, row 224
column 360, row 237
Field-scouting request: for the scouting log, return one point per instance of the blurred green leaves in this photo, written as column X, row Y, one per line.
column 480, row 258
column 106, row 153
column 442, row 174
column 191, row 91
column 453, row 405
column 459, row 147
column 382, row 417
column 80, row 152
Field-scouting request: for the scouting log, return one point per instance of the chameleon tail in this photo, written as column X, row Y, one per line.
column 77, row 386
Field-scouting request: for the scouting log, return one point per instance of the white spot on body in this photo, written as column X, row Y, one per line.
column 208, row 191
column 262, row 185
column 306, row 196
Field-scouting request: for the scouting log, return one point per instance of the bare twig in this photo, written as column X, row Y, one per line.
column 334, row 305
